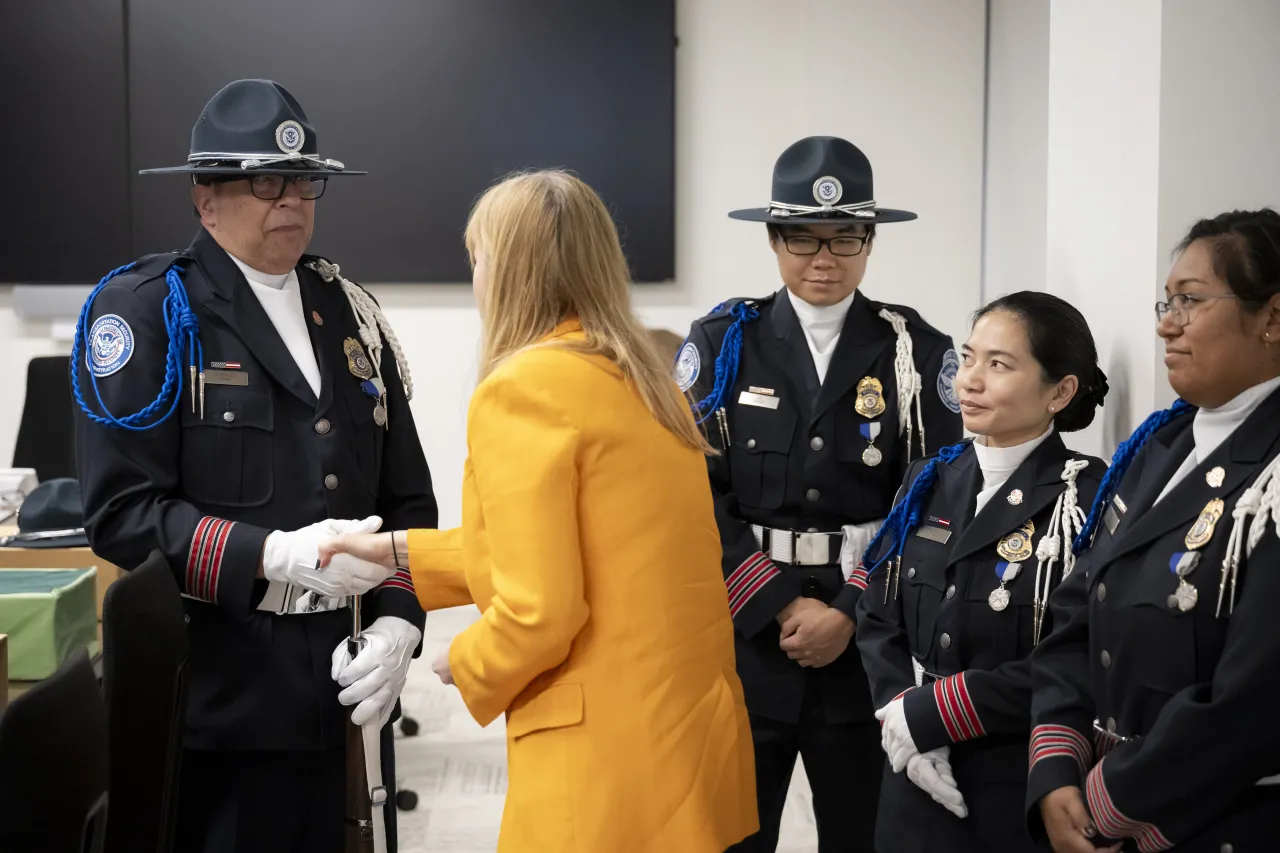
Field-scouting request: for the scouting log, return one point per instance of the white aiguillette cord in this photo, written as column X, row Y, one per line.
column 1064, row 525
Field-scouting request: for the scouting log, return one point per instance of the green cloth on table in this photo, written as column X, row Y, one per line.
column 48, row 614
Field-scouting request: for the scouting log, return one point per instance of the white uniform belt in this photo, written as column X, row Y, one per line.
column 798, row 549
column 287, row 599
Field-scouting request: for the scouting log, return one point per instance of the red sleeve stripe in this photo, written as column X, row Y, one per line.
column 1050, row 741
column 1103, row 744
column 204, row 559
column 1113, row 823
column 956, row 708
column 400, row 580
column 858, row 578
column 748, row 579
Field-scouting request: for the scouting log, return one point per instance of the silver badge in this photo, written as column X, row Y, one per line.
column 872, row 456
column 1186, row 596
column 827, row 190
column 380, row 414
column 290, row 137
column 998, row 599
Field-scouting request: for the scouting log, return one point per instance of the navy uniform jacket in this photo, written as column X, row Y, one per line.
column 975, row 693
column 799, row 467
column 266, row 456
column 1193, row 696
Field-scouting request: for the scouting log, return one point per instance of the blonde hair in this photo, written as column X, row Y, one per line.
column 553, row 254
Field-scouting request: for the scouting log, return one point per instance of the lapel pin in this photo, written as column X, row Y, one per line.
column 1015, row 497
column 1215, row 477
column 316, row 318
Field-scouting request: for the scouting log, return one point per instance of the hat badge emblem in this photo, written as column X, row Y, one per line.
column 290, row 136
column 827, row 190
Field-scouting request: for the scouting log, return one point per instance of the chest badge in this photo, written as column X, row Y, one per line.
column 1016, row 546
column 870, row 397
column 999, row 597
column 1215, row 477
column 357, row 361
column 1202, row 531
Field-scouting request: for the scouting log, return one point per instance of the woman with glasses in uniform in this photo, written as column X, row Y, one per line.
column 1155, row 703
column 961, row 574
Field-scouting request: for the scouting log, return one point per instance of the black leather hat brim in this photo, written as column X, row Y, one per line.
column 236, row 170
column 761, row 214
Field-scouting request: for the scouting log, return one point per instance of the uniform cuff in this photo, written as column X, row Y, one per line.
column 222, row 563
column 846, row 600
column 943, row 714
column 391, row 600
column 1113, row 823
column 757, row 594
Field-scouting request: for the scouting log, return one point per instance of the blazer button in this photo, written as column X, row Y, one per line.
column 1102, row 592
column 751, row 444
column 813, row 495
column 946, row 641
column 323, row 426
column 1106, row 659
column 1111, row 724
column 951, row 590
column 228, row 416
column 817, row 443
column 186, row 617
column 911, row 572
column 331, row 482
column 1227, row 848
column 813, row 530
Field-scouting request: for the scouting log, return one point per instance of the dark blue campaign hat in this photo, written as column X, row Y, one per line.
column 254, row 127
column 822, row 179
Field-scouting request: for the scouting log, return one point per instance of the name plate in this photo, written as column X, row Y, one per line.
column 747, row 398
column 934, row 534
column 225, row 377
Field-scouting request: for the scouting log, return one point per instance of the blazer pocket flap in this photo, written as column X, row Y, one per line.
column 557, row 706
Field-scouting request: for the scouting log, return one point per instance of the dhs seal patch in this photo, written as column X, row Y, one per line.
column 947, row 381
column 688, row 366
column 827, row 190
column 290, row 136
column 110, row 345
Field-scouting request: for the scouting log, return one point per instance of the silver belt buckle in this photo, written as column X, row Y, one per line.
column 811, row 549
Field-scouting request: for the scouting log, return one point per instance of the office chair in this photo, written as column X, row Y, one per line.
column 46, row 434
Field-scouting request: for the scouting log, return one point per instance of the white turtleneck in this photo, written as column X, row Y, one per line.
column 1211, row 427
column 999, row 463
column 821, row 325
column 281, row 298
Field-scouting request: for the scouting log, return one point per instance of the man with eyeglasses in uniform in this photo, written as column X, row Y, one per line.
column 817, row 398
column 239, row 402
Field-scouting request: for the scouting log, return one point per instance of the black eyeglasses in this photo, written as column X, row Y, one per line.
column 844, row 246
column 272, row 186
column 1180, row 305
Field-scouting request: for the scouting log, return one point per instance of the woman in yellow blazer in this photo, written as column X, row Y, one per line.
column 589, row 544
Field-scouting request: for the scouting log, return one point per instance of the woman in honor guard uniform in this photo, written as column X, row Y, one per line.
column 816, row 398
column 1155, row 702
column 233, row 399
column 962, row 572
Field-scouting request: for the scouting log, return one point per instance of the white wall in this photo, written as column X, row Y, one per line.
column 1219, row 126
column 1017, row 147
column 903, row 80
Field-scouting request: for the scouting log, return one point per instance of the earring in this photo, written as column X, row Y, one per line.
column 1053, row 409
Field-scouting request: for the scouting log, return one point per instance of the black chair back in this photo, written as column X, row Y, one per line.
column 53, row 765
column 144, row 677
column 46, row 434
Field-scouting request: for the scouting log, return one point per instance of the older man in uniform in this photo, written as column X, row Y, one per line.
column 818, row 397
column 234, row 398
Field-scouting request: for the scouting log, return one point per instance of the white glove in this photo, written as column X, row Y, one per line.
column 895, row 735
column 931, row 773
column 292, row 558
column 373, row 680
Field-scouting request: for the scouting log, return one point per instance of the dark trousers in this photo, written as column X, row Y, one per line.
column 844, row 763
column 271, row 802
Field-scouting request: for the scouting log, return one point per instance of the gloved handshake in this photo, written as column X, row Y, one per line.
column 930, row 771
column 294, row 557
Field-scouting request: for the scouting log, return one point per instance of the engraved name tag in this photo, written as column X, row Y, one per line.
column 225, row 377
column 934, row 534
column 747, row 398
column 1119, row 504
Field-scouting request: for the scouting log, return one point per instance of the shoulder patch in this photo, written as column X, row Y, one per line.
column 947, row 381
column 688, row 366
column 110, row 345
